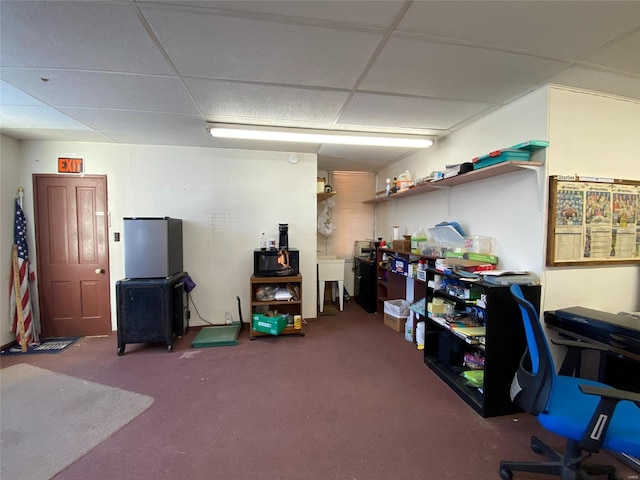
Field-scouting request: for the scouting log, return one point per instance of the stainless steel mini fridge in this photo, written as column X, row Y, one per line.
column 152, row 247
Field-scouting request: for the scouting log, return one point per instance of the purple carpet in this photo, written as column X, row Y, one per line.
column 349, row 400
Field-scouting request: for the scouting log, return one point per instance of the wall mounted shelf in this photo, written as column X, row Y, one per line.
column 487, row 172
column 325, row 195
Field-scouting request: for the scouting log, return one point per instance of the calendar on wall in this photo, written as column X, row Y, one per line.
column 592, row 221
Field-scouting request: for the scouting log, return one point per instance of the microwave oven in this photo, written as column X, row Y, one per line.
column 274, row 262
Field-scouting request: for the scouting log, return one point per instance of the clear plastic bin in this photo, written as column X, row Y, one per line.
column 478, row 244
column 435, row 249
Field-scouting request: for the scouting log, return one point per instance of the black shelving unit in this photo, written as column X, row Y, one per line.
column 504, row 345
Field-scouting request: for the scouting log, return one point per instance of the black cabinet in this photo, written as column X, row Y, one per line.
column 501, row 348
column 364, row 284
column 151, row 310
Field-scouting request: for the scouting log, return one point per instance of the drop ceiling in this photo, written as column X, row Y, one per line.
column 155, row 72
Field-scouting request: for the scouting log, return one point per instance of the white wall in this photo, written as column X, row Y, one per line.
column 589, row 134
column 593, row 135
column 9, row 183
column 505, row 207
column 226, row 198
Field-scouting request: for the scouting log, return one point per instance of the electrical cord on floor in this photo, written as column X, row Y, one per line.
column 197, row 312
column 215, row 324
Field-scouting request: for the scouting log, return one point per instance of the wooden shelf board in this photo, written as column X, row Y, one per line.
column 324, row 195
column 475, row 175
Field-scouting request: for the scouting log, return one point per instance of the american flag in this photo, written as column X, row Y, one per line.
column 26, row 276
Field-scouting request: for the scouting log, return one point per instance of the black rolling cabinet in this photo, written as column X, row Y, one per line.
column 151, row 310
column 502, row 346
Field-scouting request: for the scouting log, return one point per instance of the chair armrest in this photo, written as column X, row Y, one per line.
column 612, row 393
column 571, row 364
column 582, row 345
column 596, row 431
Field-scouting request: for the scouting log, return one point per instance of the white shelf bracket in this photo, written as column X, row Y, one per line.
column 540, row 181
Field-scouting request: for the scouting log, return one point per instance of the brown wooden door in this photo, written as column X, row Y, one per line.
column 73, row 255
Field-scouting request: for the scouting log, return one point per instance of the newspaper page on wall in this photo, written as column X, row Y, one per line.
column 593, row 221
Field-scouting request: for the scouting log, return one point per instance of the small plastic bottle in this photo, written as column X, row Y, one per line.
column 394, row 185
column 418, row 237
column 227, row 318
column 263, row 241
column 387, row 190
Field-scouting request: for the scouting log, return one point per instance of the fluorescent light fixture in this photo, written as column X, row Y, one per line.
column 301, row 135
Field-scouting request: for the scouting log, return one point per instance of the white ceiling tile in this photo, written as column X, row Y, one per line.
column 623, row 55
column 566, row 29
column 37, row 116
column 366, row 13
column 144, row 138
column 294, row 63
column 599, row 81
column 142, row 122
column 53, row 134
column 372, row 153
column 224, row 48
column 266, row 102
column 104, row 90
column 10, row 95
column 416, row 67
column 79, row 35
column 346, row 164
column 408, row 112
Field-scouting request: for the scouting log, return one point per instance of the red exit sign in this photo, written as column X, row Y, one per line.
column 70, row 165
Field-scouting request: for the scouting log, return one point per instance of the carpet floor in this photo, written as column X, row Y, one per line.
column 349, row 400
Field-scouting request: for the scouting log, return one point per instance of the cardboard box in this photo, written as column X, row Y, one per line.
column 395, row 323
column 402, row 245
column 271, row 325
column 396, row 313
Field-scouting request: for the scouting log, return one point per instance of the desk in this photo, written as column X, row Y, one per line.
column 619, row 334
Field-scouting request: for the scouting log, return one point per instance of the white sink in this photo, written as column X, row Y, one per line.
column 330, row 269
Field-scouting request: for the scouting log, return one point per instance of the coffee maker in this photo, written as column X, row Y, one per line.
column 283, row 240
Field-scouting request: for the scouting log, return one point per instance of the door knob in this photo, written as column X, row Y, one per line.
column 99, row 270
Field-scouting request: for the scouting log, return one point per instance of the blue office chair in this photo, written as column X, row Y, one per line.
column 589, row 414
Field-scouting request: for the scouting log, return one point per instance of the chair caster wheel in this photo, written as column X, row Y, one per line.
column 506, row 474
column 536, row 449
column 120, row 351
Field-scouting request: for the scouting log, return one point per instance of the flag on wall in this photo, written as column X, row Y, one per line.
column 25, row 276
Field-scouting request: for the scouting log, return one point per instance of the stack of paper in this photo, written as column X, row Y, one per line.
column 469, row 334
column 283, row 294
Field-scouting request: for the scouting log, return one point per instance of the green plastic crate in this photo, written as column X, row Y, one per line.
column 271, row 325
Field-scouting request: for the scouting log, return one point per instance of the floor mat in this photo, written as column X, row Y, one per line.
column 217, row 336
column 50, row 345
column 50, row 420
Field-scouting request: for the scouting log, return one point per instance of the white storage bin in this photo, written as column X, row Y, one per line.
column 397, row 308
